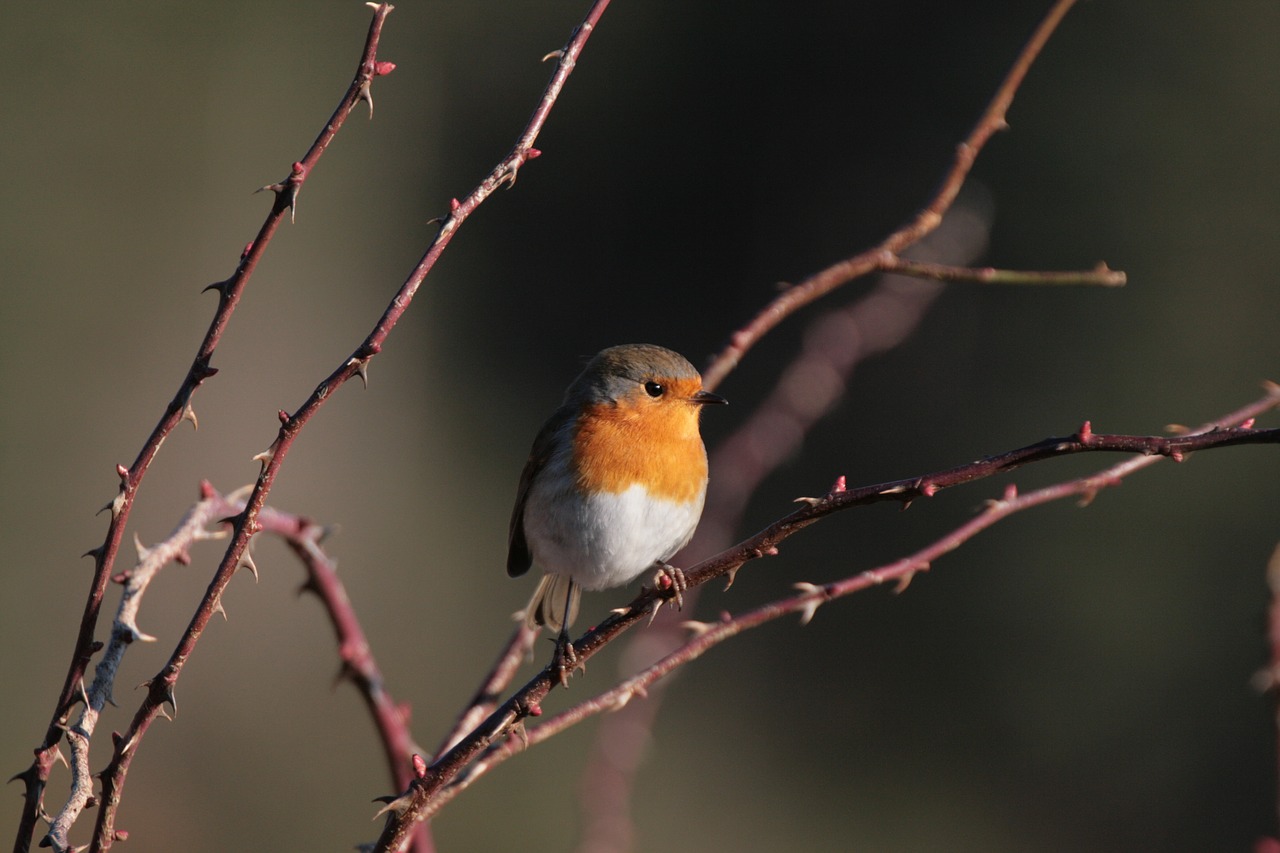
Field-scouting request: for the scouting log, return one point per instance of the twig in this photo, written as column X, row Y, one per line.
column 885, row 255
column 1099, row 276
column 495, row 681
column 423, row 798
column 304, row 538
column 246, row 524
column 125, row 632
column 178, row 410
column 811, row 596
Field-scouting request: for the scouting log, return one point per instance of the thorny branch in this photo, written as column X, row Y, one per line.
column 454, row 771
column 178, row 410
column 247, row 523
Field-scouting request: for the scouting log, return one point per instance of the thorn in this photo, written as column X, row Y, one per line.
column 189, row 414
column 137, row 635
column 398, row 806
column 362, row 369
column 555, row 54
column 809, row 501
column 811, row 606
column 265, row 457
column 246, row 562
column 366, row 94
column 696, row 628
column 905, row 580
column 221, row 286
column 93, row 552
column 1086, row 498
column 218, row 608
column 143, row 551
column 731, row 576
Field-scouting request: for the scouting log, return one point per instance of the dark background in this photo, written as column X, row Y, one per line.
column 1071, row 680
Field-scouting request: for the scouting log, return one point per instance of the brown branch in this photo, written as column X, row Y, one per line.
column 1099, row 276
column 496, row 680
column 246, row 524
column 178, row 410
column 811, row 596
column 885, row 255
column 304, row 538
column 424, row 796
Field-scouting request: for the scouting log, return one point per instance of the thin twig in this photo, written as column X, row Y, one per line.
column 885, row 255
column 495, row 681
column 304, row 538
column 178, row 410
column 1100, row 276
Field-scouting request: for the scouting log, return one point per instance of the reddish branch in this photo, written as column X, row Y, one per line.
column 179, row 409
column 811, row 596
column 458, row 766
column 885, row 256
column 247, row 523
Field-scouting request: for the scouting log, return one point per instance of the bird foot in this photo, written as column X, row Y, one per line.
column 670, row 583
column 564, row 660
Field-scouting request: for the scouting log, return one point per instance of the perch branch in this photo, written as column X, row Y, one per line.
column 421, row 800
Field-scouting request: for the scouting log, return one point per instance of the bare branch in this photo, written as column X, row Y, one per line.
column 811, row 596
column 178, row 410
column 885, row 255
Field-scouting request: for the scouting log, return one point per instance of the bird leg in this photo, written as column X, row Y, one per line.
column 670, row 582
column 564, row 660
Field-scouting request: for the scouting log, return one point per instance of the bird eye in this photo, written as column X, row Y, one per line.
column 654, row 389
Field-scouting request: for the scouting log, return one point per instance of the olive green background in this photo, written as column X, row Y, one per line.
column 1074, row 679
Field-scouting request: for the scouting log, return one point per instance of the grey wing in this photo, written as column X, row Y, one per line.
column 519, row 557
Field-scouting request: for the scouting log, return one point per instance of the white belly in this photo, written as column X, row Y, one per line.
column 608, row 540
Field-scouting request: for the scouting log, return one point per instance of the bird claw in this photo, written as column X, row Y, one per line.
column 670, row 583
column 564, row 660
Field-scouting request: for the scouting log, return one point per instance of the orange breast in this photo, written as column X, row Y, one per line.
column 651, row 442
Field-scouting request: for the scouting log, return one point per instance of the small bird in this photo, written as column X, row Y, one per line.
column 614, row 484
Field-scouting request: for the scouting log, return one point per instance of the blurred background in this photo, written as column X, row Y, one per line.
column 1073, row 679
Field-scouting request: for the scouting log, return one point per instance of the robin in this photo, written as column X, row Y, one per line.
column 614, row 484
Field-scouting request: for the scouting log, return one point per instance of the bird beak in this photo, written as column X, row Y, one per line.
column 703, row 398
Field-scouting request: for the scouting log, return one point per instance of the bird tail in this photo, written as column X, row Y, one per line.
column 555, row 594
